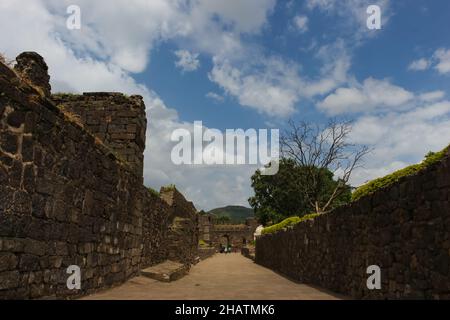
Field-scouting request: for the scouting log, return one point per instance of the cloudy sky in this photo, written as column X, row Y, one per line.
column 252, row 64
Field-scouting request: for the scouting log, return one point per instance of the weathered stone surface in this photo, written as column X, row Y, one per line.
column 116, row 120
column 32, row 67
column 8, row 261
column 67, row 199
column 166, row 271
column 8, row 142
column 9, row 280
column 401, row 229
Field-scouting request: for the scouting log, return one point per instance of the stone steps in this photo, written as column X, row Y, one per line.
column 166, row 271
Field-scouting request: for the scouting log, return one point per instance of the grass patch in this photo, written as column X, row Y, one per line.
column 169, row 187
column 374, row 185
column 71, row 117
column 288, row 223
column 153, row 191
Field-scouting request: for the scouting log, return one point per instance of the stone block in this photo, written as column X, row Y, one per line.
column 34, row 247
column 9, row 280
column 29, row 262
column 8, row 261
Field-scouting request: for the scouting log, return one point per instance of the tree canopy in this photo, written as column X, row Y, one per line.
column 282, row 195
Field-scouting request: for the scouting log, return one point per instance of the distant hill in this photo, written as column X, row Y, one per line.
column 237, row 214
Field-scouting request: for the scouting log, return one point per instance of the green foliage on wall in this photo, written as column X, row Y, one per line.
column 291, row 221
column 153, row 191
column 374, row 185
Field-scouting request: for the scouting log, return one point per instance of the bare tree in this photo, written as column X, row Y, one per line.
column 318, row 147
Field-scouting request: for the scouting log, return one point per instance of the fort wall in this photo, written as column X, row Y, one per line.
column 404, row 229
column 69, row 197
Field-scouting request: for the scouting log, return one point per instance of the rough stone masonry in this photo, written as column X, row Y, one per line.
column 404, row 229
column 71, row 190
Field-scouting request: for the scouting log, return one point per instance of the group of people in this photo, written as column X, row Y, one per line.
column 225, row 249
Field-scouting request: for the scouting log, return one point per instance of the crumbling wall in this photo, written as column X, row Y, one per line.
column 404, row 229
column 183, row 234
column 117, row 120
column 238, row 235
column 67, row 199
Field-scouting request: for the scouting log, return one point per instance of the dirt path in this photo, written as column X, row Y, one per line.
column 223, row 276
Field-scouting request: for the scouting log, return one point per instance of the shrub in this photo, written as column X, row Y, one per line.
column 153, row 191
column 169, row 187
column 374, row 185
column 288, row 223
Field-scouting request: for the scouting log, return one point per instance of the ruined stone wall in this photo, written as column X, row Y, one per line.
column 155, row 225
column 403, row 228
column 183, row 233
column 238, row 235
column 67, row 199
column 117, row 120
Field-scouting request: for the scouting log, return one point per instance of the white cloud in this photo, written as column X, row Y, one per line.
column 301, row 23
column 187, row 61
column 322, row 4
column 440, row 61
column 334, row 71
column 395, row 136
column 419, row 65
column 274, row 86
column 272, row 91
column 443, row 60
column 215, row 96
column 432, row 95
column 371, row 94
column 101, row 56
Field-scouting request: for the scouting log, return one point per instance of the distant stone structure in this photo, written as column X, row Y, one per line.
column 71, row 190
column 236, row 235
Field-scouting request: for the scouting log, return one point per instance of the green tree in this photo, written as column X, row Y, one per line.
column 222, row 220
column 282, row 195
column 325, row 152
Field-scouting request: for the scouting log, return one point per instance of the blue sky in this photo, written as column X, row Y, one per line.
column 253, row 64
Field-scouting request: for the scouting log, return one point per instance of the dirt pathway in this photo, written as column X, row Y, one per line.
column 223, row 276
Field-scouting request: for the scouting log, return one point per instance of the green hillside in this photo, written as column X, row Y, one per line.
column 237, row 214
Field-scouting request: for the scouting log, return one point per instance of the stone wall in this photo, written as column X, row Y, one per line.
column 117, row 120
column 182, row 237
column 67, row 199
column 403, row 228
column 215, row 235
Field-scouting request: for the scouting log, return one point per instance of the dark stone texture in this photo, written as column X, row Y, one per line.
column 400, row 228
column 32, row 67
column 68, row 198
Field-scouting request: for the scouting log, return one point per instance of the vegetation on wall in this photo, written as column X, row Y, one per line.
column 374, row 185
column 153, row 191
column 291, row 221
